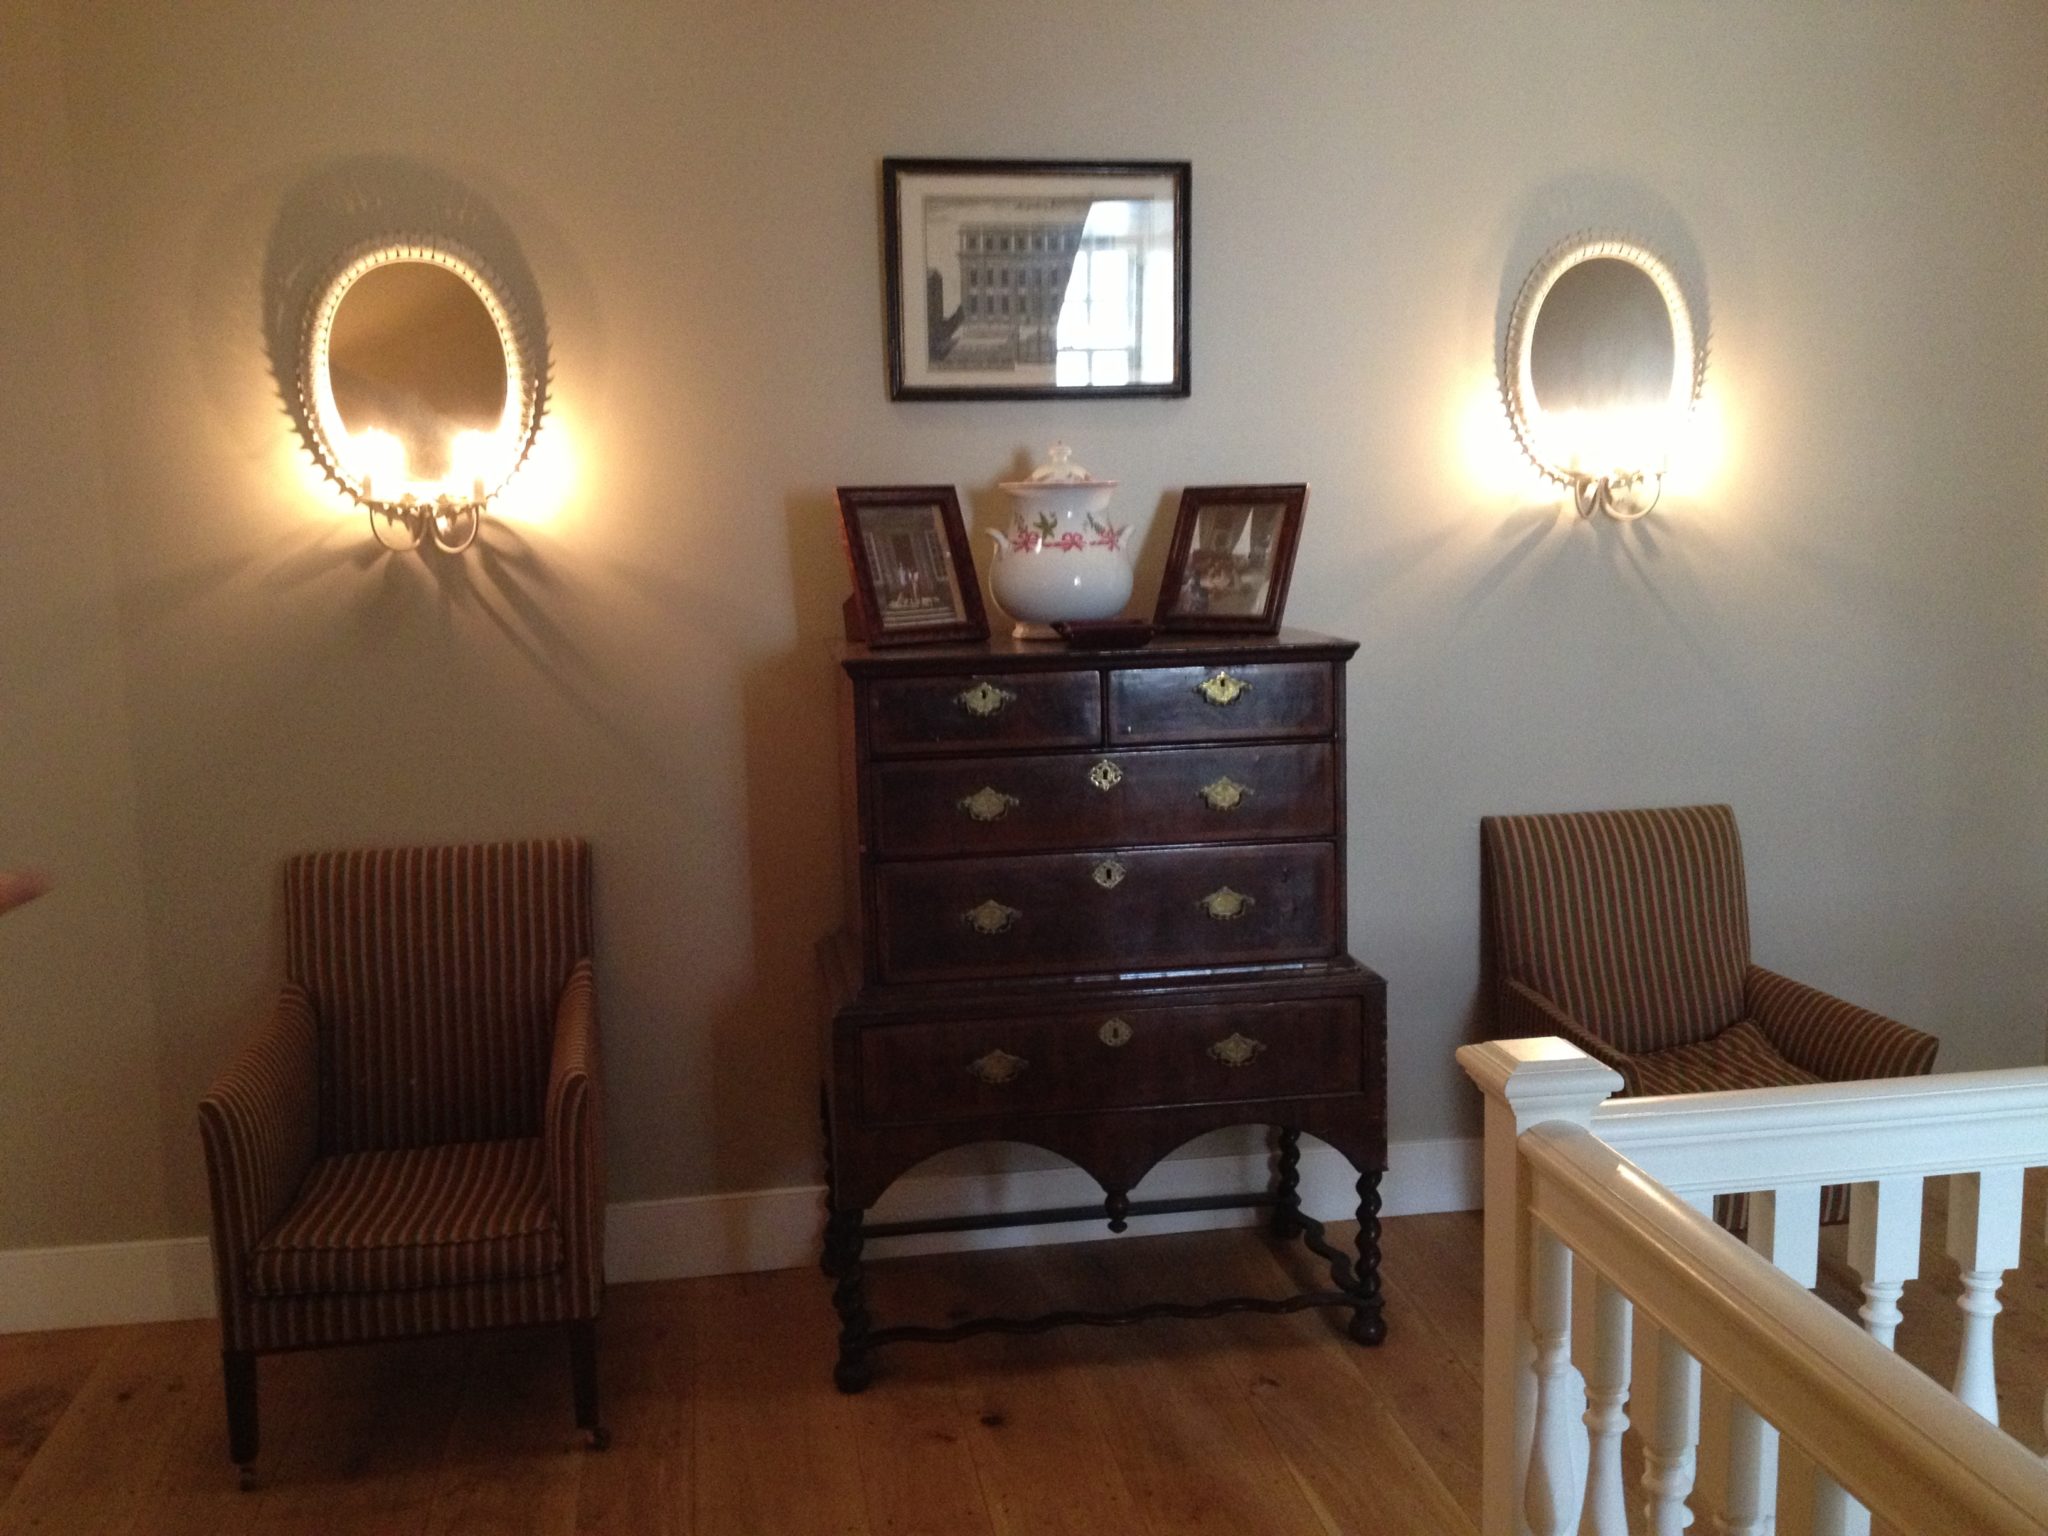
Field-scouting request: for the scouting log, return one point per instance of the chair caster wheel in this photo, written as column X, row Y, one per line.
column 598, row 1439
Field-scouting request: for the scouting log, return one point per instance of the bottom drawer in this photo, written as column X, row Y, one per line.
column 1114, row 1059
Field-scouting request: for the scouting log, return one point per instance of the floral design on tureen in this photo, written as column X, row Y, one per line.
column 1061, row 559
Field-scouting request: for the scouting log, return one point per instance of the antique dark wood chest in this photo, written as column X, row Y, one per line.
column 1097, row 906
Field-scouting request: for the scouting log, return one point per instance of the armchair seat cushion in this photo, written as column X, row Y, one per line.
column 414, row 1218
column 1740, row 1056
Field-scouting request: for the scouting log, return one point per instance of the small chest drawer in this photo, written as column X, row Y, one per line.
column 1132, row 910
column 1291, row 698
column 1115, row 1060
column 1088, row 800
column 961, row 712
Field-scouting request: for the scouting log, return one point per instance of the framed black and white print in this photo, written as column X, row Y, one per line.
column 1036, row 279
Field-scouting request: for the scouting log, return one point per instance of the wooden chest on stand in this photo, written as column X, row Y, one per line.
column 1098, row 906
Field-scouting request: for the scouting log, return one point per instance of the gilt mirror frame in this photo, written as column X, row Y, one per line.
column 1620, row 494
column 403, row 520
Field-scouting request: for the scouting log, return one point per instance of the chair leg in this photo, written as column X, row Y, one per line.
column 583, row 1370
column 238, row 1375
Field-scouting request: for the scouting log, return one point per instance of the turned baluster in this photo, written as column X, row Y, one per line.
column 1984, row 1240
column 1670, row 1448
column 1784, row 1227
column 1551, row 1500
column 1606, row 1512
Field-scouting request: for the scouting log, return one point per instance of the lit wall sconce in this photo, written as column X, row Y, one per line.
column 421, row 389
column 1600, row 372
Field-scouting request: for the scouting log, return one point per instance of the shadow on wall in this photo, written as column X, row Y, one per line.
column 372, row 199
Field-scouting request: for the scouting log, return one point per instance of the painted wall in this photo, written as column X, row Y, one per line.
column 1836, row 625
column 82, row 1113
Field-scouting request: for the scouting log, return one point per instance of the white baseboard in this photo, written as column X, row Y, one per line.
column 170, row 1278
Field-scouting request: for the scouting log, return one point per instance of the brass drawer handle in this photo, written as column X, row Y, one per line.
column 1105, row 775
column 1109, row 874
column 1223, row 690
column 1115, row 1033
column 1236, row 1050
column 991, row 917
column 1225, row 794
column 985, row 699
column 1224, row 904
column 988, row 804
column 997, row 1067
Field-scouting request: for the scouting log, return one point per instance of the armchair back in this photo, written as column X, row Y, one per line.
column 434, row 974
column 1635, row 923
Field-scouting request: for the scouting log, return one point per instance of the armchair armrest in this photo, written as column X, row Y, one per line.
column 575, row 1139
column 1524, row 1012
column 1836, row 1041
column 260, row 1126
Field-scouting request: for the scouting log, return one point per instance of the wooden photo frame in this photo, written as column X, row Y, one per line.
column 914, row 581
column 1231, row 559
column 1036, row 279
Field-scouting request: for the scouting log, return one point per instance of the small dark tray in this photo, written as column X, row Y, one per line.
column 1104, row 634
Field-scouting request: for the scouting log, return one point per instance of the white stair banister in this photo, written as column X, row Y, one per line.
column 1984, row 1240
column 1784, row 1227
column 1556, row 1459
column 1884, row 1251
column 1526, row 1083
column 1922, row 1459
column 1670, row 1456
column 1884, row 1248
column 1607, row 1383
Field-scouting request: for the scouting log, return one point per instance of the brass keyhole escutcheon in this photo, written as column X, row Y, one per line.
column 988, row 804
column 1225, row 794
column 991, row 917
column 997, row 1067
column 1109, row 874
column 1223, row 690
column 1224, row 904
column 1236, row 1050
column 1105, row 775
column 1115, row 1033
column 985, row 699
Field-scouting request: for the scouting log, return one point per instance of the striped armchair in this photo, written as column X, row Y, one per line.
column 412, row 1145
column 1627, row 933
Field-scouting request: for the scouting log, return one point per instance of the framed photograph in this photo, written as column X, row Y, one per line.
column 1231, row 558
column 913, row 575
column 1036, row 279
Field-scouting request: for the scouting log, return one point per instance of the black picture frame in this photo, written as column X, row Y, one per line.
column 1016, row 355
column 1228, row 573
column 914, row 581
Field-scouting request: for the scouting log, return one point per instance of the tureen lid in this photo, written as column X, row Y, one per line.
column 1059, row 469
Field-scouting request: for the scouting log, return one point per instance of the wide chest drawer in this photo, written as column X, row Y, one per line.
column 1084, row 800
column 1116, row 1060
column 1131, row 910
column 1163, row 704
column 961, row 712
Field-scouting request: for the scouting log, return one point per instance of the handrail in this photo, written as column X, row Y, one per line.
column 1887, row 1433
column 1834, row 1133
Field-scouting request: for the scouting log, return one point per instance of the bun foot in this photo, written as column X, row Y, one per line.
column 851, row 1376
column 1367, row 1328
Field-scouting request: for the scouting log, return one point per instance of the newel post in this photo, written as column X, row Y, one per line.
column 1526, row 1083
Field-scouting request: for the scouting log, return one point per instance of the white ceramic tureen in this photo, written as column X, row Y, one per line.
column 1061, row 558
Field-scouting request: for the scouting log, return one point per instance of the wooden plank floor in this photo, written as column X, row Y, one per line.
column 724, row 1418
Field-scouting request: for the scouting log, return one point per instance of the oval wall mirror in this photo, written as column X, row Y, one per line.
column 419, row 392
column 1601, row 370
